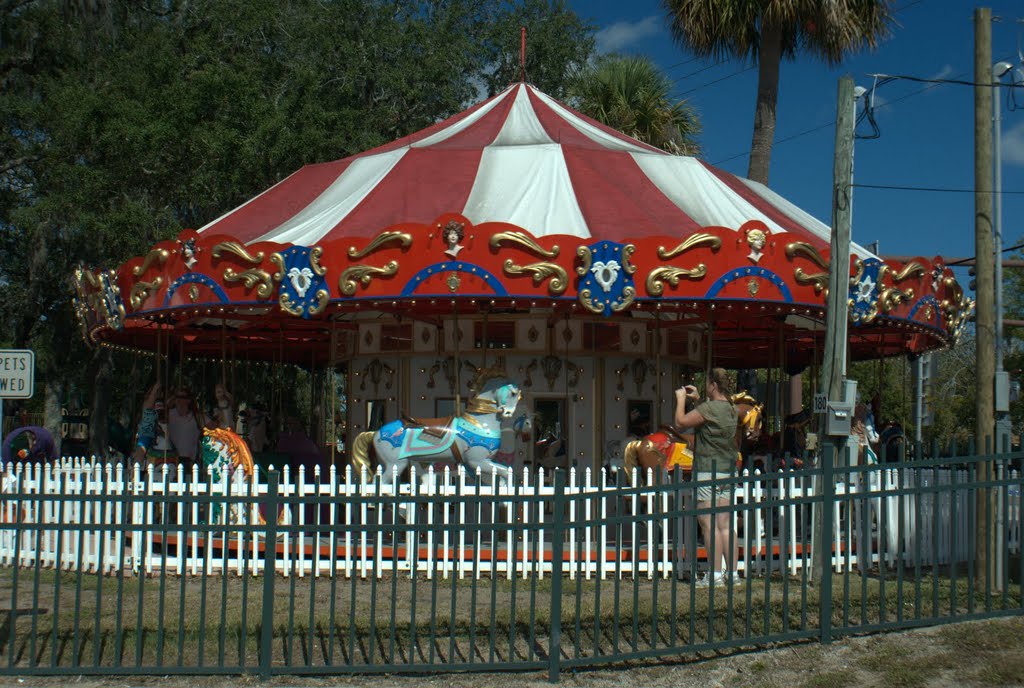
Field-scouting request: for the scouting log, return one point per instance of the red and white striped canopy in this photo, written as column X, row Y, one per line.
column 520, row 157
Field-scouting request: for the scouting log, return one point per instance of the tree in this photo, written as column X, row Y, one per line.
column 122, row 122
column 558, row 43
column 769, row 30
column 630, row 94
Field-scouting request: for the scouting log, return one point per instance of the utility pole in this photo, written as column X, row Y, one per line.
column 984, row 425
column 833, row 366
column 1002, row 379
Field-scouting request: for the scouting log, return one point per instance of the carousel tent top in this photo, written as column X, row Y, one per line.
column 524, row 208
column 522, row 158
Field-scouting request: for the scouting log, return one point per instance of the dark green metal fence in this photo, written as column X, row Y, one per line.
column 900, row 549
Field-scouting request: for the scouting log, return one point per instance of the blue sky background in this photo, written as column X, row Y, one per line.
column 927, row 134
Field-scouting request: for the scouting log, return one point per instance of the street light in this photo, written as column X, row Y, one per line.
column 1002, row 383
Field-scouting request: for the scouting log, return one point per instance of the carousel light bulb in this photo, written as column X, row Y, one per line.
column 617, row 426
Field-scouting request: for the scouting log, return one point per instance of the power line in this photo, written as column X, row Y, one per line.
column 778, row 141
column 887, row 103
column 938, row 189
column 702, row 69
column 972, row 259
column 959, row 82
column 711, row 83
column 684, row 62
column 909, row 4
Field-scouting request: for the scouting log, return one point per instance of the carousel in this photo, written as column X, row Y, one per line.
column 597, row 272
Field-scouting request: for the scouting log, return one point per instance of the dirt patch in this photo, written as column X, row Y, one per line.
column 983, row 653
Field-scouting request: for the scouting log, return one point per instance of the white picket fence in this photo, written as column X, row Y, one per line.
column 610, row 530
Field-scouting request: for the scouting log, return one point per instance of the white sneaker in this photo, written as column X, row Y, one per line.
column 717, row 579
column 720, row 580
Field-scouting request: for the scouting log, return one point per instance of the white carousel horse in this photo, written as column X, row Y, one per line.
column 521, row 427
column 472, row 438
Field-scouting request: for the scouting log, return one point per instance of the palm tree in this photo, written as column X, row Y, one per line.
column 767, row 31
column 630, row 94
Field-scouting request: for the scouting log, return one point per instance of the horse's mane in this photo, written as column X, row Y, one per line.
column 743, row 398
column 487, row 375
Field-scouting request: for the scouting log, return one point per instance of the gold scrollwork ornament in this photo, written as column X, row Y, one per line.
column 525, row 242
column 689, row 243
column 540, row 272
column 157, row 255
column 142, row 290
column 363, row 274
column 251, row 278
column 672, row 275
column 404, row 240
column 239, row 250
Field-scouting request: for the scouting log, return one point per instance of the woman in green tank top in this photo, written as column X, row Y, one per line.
column 714, row 457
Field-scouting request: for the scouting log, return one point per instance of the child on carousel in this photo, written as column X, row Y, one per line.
column 152, row 444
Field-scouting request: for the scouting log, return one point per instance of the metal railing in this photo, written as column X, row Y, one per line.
column 111, row 570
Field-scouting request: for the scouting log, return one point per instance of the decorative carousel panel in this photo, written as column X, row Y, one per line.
column 687, row 346
column 531, row 334
column 458, row 336
column 369, row 338
column 671, row 268
column 605, row 284
column 633, row 337
column 567, row 335
column 424, row 337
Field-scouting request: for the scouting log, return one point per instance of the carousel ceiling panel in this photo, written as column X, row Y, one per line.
column 522, row 158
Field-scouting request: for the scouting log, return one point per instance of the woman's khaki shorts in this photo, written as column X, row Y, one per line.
column 715, row 492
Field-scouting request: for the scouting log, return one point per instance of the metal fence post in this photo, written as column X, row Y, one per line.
column 557, row 538
column 269, row 576
column 828, row 498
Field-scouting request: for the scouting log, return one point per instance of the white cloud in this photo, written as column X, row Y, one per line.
column 623, row 34
column 944, row 73
column 1013, row 145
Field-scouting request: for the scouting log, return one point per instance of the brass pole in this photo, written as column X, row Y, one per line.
column 334, row 391
column 657, row 366
column 223, row 352
column 458, row 362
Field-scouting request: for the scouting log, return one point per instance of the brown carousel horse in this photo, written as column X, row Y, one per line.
column 669, row 449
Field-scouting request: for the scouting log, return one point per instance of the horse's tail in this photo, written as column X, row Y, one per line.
column 362, row 452
column 631, row 457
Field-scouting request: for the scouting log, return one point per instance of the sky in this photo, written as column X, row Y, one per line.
column 927, row 131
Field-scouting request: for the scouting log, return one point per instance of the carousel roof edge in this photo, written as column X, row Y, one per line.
column 451, row 259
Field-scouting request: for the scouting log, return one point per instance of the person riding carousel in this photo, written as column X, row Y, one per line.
column 183, row 427
column 222, row 415
column 152, row 441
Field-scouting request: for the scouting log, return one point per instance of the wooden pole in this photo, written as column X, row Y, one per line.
column 984, row 425
column 833, row 367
